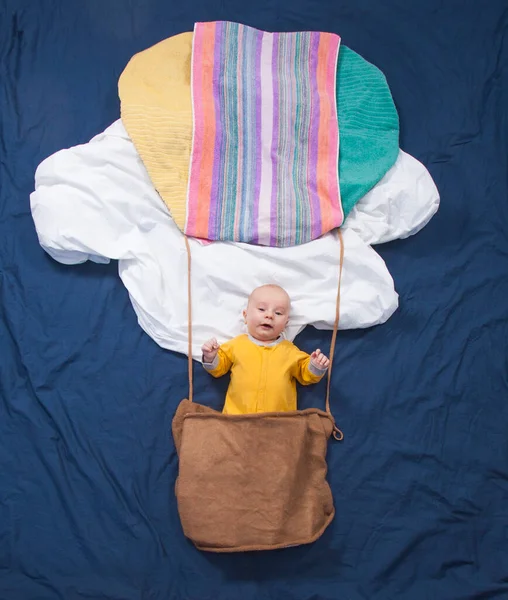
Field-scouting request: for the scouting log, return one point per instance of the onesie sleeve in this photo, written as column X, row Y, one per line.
column 222, row 362
column 304, row 371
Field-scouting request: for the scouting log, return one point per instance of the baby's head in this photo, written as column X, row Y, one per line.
column 267, row 312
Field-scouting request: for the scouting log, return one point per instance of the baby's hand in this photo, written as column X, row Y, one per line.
column 210, row 349
column 319, row 360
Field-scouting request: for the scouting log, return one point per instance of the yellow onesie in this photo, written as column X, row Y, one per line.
column 263, row 377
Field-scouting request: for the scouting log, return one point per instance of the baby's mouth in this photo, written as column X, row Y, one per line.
column 266, row 326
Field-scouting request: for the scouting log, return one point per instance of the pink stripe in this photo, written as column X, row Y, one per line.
column 315, row 208
column 333, row 176
column 275, row 139
column 198, row 128
column 267, row 166
column 291, row 218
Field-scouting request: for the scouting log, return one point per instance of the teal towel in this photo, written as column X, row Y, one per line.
column 368, row 127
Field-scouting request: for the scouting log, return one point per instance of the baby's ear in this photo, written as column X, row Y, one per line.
column 244, row 314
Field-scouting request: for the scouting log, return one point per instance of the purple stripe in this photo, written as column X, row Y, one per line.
column 275, row 139
column 315, row 208
column 283, row 147
column 294, row 196
column 257, row 141
column 239, row 111
column 217, row 152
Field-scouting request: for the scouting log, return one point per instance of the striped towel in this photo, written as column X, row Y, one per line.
column 265, row 148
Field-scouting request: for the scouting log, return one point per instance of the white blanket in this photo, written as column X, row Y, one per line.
column 96, row 202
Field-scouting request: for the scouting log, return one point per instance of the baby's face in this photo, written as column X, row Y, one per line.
column 267, row 313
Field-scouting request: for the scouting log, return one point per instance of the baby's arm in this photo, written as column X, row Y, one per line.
column 311, row 368
column 216, row 359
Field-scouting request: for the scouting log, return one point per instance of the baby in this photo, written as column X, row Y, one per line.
column 264, row 366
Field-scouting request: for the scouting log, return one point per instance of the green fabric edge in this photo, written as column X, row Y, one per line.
column 368, row 126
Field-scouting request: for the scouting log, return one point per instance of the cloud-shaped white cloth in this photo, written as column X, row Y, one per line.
column 96, row 202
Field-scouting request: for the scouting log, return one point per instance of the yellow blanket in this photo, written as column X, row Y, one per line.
column 156, row 110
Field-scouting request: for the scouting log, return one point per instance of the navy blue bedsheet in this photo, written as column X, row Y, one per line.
column 87, row 462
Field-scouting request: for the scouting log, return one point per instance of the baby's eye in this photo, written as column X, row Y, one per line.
column 261, row 309
column 279, row 314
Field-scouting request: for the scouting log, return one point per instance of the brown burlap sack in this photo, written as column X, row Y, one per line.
column 252, row 482
column 256, row 481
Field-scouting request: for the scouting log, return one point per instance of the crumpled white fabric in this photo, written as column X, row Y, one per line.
column 96, row 202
